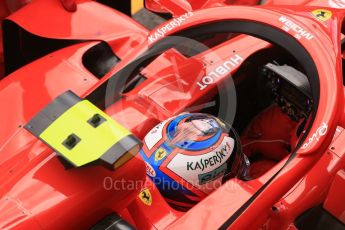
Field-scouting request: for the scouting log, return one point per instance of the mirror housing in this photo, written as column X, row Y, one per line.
column 173, row 7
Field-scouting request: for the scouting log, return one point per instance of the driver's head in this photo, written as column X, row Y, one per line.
column 188, row 157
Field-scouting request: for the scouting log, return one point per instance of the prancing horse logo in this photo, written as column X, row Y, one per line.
column 145, row 196
column 322, row 15
column 160, row 154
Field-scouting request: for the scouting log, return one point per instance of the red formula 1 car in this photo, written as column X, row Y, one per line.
column 274, row 72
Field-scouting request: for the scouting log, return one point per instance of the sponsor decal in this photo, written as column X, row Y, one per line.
column 210, row 176
column 322, row 15
column 154, row 136
column 204, row 163
column 337, row 3
column 174, row 23
column 160, row 154
column 220, row 71
column 150, row 170
column 320, row 132
column 298, row 31
column 204, row 167
column 145, row 196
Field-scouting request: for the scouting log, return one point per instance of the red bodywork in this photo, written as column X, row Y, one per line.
column 38, row 192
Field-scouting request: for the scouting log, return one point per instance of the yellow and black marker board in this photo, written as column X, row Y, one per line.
column 81, row 133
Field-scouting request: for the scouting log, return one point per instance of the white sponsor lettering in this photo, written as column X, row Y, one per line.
column 298, row 30
column 220, row 71
column 176, row 22
column 320, row 132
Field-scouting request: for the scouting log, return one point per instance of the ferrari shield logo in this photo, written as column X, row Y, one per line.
column 160, row 154
column 322, row 15
column 145, row 196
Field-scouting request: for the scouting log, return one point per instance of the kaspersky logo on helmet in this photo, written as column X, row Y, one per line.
column 197, row 168
column 217, row 158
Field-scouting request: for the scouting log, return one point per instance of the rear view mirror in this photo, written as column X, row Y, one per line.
column 174, row 7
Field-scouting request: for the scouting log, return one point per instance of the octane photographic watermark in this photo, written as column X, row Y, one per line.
column 110, row 184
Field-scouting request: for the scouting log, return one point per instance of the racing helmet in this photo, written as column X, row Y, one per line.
column 190, row 155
